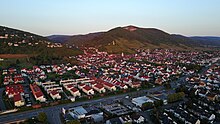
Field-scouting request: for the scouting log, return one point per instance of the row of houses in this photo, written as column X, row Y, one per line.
column 203, row 97
column 185, row 114
column 12, row 76
column 206, row 85
column 52, row 88
column 86, row 85
column 118, row 67
column 16, row 92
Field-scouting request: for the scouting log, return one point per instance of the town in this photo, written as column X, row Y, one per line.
column 150, row 86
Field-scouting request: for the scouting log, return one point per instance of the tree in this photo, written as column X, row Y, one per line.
column 189, row 104
column 17, row 61
column 73, row 122
column 132, row 60
column 147, row 105
column 42, row 117
column 158, row 103
column 182, row 88
column 192, row 94
column 167, row 85
column 175, row 97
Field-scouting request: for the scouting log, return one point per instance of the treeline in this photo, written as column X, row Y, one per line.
column 21, row 49
column 150, row 105
column 190, row 66
column 175, row 97
column 46, row 59
column 54, row 56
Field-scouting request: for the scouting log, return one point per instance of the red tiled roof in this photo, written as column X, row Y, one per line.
column 117, row 83
column 18, row 79
column 82, row 85
column 87, row 88
column 126, row 79
column 70, row 86
column 146, row 77
column 108, row 84
column 74, row 90
column 130, row 77
column 122, row 85
column 99, row 86
column 54, row 92
column 136, row 83
column 15, row 89
column 17, row 98
column 36, row 90
column 93, row 82
column 93, row 78
column 38, row 94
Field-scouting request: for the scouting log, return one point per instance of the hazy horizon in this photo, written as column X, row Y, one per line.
column 54, row 17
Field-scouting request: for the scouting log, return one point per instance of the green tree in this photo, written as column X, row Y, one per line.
column 17, row 61
column 192, row 94
column 175, row 97
column 182, row 88
column 158, row 103
column 167, row 85
column 132, row 60
column 147, row 105
column 189, row 104
column 73, row 122
column 42, row 117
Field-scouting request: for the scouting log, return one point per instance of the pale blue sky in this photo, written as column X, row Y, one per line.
column 46, row 17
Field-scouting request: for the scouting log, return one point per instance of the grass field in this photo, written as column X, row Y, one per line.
column 14, row 59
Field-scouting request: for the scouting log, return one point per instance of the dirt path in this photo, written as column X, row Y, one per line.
column 9, row 56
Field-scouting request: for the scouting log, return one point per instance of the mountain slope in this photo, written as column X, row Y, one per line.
column 59, row 38
column 207, row 40
column 126, row 39
column 15, row 35
column 81, row 40
column 39, row 48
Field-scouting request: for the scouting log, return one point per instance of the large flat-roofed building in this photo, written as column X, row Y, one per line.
column 116, row 109
column 81, row 112
column 78, row 112
column 139, row 101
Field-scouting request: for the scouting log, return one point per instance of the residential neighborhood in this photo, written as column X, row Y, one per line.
column 99, row 75
column 110, row 62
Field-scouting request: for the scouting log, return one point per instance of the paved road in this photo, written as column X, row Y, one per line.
column 54, row 111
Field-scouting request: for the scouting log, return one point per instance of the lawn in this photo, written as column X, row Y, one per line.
column 15, row 62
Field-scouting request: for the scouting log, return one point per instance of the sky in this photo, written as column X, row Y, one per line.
column 47, row 17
